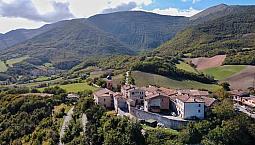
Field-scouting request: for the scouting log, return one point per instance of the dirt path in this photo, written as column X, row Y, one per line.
column 67, row 119
column 244, row 79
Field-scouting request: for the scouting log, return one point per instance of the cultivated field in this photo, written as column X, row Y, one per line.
column 244, row 79
column 3, row 67
column 223, row 72
column 13, row 61
column 203, row 63
column 144, row 79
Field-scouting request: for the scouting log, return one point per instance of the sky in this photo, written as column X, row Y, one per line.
column 31, row 14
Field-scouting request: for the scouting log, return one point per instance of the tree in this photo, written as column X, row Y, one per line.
column 225, row 86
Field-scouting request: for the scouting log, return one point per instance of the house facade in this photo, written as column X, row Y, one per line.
column 104, row 97
column 189, row 107
column 133, row 93
column 156, row 103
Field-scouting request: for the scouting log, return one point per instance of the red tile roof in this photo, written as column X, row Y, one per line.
column 189, row 99
column 103, row 92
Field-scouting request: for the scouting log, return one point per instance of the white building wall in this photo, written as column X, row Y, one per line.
column 194, row 110
column 146, row 105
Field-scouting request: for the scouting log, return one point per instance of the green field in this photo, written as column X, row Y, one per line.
column 42, row 78
column 3, row 67
column 184, row 66
column 13, row 61
column 144, row 79
column 223, row 72
column 77, row 87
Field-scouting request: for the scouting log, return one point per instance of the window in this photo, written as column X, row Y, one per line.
column 199, row 111
column 133, row 93
column 199, row 105
column 104, row 100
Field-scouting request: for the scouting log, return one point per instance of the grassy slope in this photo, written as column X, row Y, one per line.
column 223, row 72
column 143, row 79
column 77, row 87
column 184, row 66
column 13, row 61
column 42, row 78
column 3, row 67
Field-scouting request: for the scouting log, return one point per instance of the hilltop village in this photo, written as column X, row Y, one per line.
column 171, row 107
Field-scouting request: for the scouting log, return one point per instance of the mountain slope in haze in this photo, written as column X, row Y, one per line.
column 72, row 41
column 20, row 35
column 212, row 13
column 140, row 30
column 232, row 34
column 136, row 29
column 106, row 34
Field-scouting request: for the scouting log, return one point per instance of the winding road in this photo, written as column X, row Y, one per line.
column 84, row 122
column 67, row 119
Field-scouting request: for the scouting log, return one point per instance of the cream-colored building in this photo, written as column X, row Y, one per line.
column 189, row 107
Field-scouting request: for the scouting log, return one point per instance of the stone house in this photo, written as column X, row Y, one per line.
column 156, row 102
column 104, row 97
column 133, row 93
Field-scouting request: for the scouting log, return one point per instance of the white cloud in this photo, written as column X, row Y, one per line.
column 8, row 24
column 193, row 1
column 175, row 12
column 86, row 8
column 28, row 10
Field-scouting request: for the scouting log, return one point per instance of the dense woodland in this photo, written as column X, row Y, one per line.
column 28, row 119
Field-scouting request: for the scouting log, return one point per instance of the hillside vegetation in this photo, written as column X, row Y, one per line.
column 140, row 30
column 65, row 43
column 231, row 34
column 28, row 119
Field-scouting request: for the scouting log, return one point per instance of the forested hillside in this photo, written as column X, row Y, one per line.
column 117, row 33
column 70, row 42
column 28, row 119
column 140, row 30
column 232, row 34
column 20, row 35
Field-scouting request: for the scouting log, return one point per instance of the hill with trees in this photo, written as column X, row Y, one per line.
column 231, row 34
column 116, row 33
column 140, row 30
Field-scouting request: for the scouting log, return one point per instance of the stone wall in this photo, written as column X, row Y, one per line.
column 173, row 122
